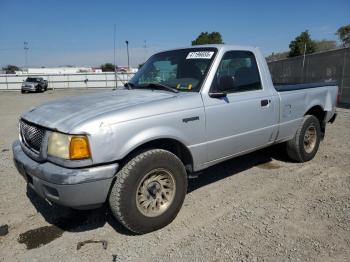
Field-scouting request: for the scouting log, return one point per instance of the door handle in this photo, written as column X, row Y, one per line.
column 265, row 102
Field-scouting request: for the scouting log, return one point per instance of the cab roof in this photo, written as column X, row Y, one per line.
column 220, row 47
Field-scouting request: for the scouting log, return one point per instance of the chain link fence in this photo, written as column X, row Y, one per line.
column 318, row 67
column 60, row 81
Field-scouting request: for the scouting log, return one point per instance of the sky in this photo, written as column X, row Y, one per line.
column 81, row 33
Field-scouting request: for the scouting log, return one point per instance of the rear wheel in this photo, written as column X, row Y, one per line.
column 149, row 191
column 303, row 147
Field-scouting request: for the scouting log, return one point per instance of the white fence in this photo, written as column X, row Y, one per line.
column 80, row 80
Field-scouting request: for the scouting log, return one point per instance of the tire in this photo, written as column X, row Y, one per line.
column 133, row 187
column 303, row 147
column 22, row 91
column 38, row 89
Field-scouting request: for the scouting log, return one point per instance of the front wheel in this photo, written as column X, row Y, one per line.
column 149, row 191
column 303, row 147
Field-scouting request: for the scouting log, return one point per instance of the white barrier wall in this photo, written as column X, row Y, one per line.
column 79, row 80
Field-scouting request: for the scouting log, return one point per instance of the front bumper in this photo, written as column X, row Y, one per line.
column 28, row 88
column 81, row 188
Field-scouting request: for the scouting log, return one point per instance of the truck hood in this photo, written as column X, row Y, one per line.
column 64, row 114
column 30, row 83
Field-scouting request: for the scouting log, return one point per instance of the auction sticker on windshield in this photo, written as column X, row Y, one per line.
column 200, row 55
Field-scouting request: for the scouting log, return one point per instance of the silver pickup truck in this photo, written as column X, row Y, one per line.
column 185, row 110
column 34, row 84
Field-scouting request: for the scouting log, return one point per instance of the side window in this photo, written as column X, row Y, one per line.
column 237, row 72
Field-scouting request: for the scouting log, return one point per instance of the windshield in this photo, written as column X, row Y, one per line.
column 183, row 69
column 31, row 79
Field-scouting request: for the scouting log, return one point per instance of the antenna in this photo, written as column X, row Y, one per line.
column 116, row 78
column 114, row 59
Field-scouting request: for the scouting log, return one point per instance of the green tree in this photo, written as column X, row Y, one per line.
column 10, row 69
column 301, row 43
column 344, row 35
column 324, row 45
column 208, row 38
column 108, row 67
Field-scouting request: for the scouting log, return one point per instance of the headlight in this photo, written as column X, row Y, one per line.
column 68, row 146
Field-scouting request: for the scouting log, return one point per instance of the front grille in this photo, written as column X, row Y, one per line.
column 32, row 135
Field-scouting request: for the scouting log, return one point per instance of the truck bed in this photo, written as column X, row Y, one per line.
column 302, row 98
column 291, row 87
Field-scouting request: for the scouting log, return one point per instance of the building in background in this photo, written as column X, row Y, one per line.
column 68, row 70
column 58, row 70
column 126, row 69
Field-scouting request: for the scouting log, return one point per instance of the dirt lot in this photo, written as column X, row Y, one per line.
column 258, row 207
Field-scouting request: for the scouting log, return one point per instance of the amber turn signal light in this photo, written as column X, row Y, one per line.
column 79, row 148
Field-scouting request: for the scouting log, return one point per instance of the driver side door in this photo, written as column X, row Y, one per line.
column 243, row 120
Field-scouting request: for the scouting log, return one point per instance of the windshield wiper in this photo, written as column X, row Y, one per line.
column 158, row 85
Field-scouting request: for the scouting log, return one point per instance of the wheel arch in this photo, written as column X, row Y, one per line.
column 319, row 113
column 170, row 144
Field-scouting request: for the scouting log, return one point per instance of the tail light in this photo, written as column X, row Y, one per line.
column 338, row 96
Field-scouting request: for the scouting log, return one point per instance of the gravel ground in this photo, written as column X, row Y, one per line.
column 259, row 207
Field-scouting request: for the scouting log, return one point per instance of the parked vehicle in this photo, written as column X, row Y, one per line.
column 34, row 84
column 183, row 111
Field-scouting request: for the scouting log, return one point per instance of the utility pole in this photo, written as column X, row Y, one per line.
column 303, row 73
column 145, row 51
column 26, row 48
column 304, row 55
column 127, row 52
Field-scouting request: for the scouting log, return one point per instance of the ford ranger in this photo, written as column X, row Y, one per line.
column 183, row 111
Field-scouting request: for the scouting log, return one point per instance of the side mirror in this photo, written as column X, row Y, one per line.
column 217, row 94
